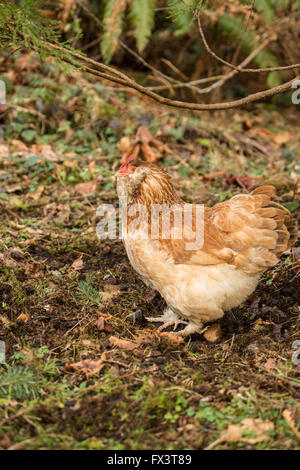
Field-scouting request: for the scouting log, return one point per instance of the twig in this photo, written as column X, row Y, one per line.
column 232, row 73
column 237, row 68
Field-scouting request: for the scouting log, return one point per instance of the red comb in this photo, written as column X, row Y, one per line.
column 126, row 163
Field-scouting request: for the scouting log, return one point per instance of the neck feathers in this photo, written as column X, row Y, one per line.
column 157, row 189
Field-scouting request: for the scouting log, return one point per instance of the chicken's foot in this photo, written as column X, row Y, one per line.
column 190, row 329
column 169, row 318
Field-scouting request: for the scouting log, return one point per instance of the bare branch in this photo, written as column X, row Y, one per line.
column 122, row 79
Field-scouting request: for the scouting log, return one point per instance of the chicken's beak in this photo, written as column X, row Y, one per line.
column 124, row 169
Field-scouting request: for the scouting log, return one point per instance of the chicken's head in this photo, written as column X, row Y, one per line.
column 130, row 177
column 147, row 182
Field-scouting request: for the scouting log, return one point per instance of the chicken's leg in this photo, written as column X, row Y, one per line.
column 168, row 318
column 190, row 329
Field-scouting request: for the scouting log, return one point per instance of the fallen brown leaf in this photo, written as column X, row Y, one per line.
column 146, row 146
column 123, row 343
column 16, row 253
column 241, row 180
column 5, row 442
column 270, row 364
column 89, row 367
column 236, row 432
column 100, row 323
column 287, row 415
column 110, row 291
column 32, row 268
column 5, row 321
column 85, row 189
column 124, row 144
column 282, row 138
column 8, row 262
column 23, row 318
column 35, row 195
column 172, row 337
column 4, row 151
column 77, row 264
column 213, row 175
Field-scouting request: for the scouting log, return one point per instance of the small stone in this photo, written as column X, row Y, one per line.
column 70, row 403
column 213, row 333
column 136, row 317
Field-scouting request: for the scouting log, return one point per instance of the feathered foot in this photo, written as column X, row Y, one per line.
column 190, row 329
column 168, row 318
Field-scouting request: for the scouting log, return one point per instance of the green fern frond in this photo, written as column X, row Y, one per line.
column 266, row 8
column 142, row 15
column 87, row 293
column 113, row 24
column 182, row 17
column 23, row 25
column 20, row 383
column 234, row 28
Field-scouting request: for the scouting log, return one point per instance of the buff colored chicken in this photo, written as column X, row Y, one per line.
column 243, row 237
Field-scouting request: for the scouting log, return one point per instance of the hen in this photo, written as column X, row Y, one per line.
column 242, row 237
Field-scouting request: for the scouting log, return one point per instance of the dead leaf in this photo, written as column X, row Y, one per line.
column 13, row 188
column 23, row 318
column 45, row 152
column 146, row 337
column 19, row 145
column 100, row 323
column 5, row 321
column 146, row 147
column 213, row 175
column 110, row 291
column 123, row 343
column 213, row 333
column 112, row 288
column 4, row 151
column 255, row 428
column 32, row 268
column 8, row 262
column 77, row 264
column 270, row 364
column 89, row 367
column 124, row 144
column 287, row 415
column 85, row 189
column 23, row 59
column 176, row 339
column 64, row 213
column 16, row 253
column 5, row 442
column 241, row 180
column 92, row 166
column 150, row 296
column 35, row 195
column 282, row 138
column 247, row 122
column 262, row 131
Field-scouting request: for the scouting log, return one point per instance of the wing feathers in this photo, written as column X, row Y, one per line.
column 249, row 231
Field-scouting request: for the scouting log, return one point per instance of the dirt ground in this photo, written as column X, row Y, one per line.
column 84, row 369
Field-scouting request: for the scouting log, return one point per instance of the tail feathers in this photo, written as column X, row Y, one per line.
column 277, row 217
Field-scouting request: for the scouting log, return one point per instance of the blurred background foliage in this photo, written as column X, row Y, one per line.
column 164, row 33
